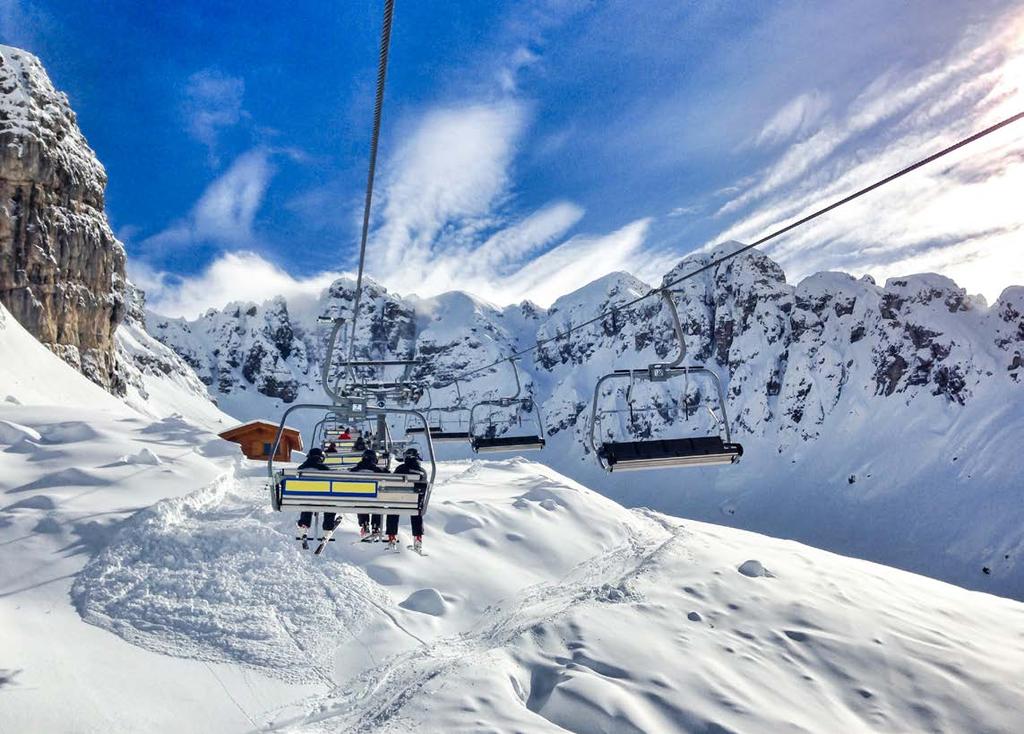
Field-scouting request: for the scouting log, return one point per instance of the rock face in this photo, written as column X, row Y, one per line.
column 61, row 268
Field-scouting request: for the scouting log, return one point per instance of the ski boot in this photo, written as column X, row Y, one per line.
column 392, row 542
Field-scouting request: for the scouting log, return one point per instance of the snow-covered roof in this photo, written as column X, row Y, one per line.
column 255, row 423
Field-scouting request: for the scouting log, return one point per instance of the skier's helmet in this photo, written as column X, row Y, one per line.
column 411, row 454
column 370, row 456
column 317, row 454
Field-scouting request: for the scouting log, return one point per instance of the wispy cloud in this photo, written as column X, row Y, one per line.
column 234, row 276
column 798, row 116
column 960, row 219
column 213, row 103
column 446, row 222
column 20, row 23
column 225, row 213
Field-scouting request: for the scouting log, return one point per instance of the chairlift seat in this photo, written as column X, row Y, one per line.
column 662, row 453
column 507, row 443
column 342, row 444
column 346, row 459
column 316, row 490
column 449, row 436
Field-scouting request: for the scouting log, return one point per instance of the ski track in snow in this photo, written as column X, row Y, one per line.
column 380, row 695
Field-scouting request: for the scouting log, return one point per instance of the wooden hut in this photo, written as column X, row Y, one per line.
column 257, row 439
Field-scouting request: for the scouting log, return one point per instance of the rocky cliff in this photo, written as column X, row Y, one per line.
column 62, row 271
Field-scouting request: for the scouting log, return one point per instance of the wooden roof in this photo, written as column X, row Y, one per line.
column 260, row 425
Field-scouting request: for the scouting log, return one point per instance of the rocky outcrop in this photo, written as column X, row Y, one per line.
column 144, row 364
column 62, row 271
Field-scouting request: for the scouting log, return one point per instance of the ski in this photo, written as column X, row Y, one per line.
column 325, row 540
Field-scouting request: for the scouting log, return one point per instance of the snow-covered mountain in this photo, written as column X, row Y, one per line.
column 816, row 375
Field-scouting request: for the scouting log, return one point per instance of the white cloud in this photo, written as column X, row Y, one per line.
column 225, row 213
column 446, row 179
column 958, row 217
column 796, row 117
column 213, row 102
column 226, row 210
column 573, row 264
column 234, row 276
column 444, row 222
column 508, row 73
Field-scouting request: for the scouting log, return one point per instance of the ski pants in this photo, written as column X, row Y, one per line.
column 417, row 525
column 306, row 520
column 374, row 523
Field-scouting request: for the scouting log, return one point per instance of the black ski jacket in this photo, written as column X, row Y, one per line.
column 311, row 463
column 366, row 466
column 411, row 467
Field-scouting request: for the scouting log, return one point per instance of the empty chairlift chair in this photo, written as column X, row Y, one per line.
column 446, row 434
column 508, row 443
column 450, row 431
column 433, row 424
column 626, row 455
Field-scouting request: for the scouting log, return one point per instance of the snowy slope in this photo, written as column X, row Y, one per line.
column 147, row 585
column 878, row 421
column 75, row 462
column 32, row 376
column 575, row 614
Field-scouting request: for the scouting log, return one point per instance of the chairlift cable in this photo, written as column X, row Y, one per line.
column 778, row 232
column 378, row 106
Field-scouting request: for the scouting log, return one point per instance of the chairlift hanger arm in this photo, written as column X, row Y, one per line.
column 325, row 372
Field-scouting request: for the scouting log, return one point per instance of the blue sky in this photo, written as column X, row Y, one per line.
column 529, row 147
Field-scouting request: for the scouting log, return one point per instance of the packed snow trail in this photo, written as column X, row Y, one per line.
column 544, row 606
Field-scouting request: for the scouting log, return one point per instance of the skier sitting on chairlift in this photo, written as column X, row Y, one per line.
column 332, row 448
column 410, row 465
column 369, row 526
column 315, row 460
column 344, row 435
column 360, row 444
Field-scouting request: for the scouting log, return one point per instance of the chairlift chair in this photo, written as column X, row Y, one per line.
column 437, row 427
column 347, row 492
column 506, row 443
column 665, row 453
column 434, row 426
